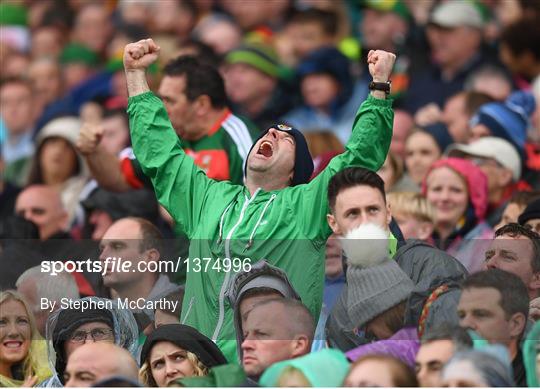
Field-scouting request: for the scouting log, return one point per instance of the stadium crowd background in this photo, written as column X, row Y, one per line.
column 445, row 292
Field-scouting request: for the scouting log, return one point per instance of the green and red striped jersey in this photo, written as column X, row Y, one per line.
column 221, row 154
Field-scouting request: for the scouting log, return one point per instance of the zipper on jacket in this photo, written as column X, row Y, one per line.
column 191, row 301
column 225, row 284
column 250, row 241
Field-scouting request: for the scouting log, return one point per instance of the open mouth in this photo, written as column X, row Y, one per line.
column 13, row 344
column 266, row 149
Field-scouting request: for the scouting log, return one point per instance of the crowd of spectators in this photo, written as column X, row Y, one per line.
column 370, row 169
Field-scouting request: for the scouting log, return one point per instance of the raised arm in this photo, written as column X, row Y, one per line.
column 137, row 57
column 367, row 147
column 180, row 186
column 104, row 166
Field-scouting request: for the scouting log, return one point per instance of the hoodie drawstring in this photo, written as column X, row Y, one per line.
column 250, row 242
column 221, row 222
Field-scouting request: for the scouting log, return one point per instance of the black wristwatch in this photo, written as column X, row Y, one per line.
column 382, row 86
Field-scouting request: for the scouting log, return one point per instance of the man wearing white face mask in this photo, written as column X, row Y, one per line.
column 356, row 197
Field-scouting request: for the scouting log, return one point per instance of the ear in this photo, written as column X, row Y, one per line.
column 202, row 105
column 63, row 220
column 300, row 346
column 534, row 284
column 333, row 224
column 152, row 255
column 425, row 230
column 388, row 215
column 517, row 325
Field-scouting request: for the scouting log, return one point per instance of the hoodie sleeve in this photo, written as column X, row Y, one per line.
column 367, row 148
column 180, row 186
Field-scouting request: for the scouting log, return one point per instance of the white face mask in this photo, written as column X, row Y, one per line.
column 366, row 245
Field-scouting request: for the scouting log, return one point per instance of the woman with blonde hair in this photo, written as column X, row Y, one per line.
column 175, row 351
column 23, row 355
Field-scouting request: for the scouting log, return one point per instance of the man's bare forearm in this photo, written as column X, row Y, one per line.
column 136, row 82
column 105, row 168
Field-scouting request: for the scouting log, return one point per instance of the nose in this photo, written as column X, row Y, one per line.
column 491, row 263
column 247, row 344
column 104, row 254
column 273, row 133
column 170, row 369
column 27, row 214
column 421, row 373
column 12, row 331
column 467, row 322
column 363, row 218
column 444, row 194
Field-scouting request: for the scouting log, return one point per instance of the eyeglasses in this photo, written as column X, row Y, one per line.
column 97, row 334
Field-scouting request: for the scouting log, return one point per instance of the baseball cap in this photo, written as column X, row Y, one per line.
column 457, row 14
column 492, row 147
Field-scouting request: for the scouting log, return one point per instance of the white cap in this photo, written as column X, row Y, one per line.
column 492, row 147
column 67, row 127
column 457, row 13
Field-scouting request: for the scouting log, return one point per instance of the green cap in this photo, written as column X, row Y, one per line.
column 77, row 53
column 260, row 56
column 396, row 6
column 12, row 15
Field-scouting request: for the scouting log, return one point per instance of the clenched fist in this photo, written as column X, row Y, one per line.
column 89, row 138
column 140, row 55
column 380, row 64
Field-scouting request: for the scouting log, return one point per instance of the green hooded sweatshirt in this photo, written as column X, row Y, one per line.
column 287, row 227
column 325, row 368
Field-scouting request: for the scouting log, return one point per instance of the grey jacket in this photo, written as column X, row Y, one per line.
column 429, row 268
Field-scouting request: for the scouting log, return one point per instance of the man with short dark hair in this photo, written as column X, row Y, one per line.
column 516, row 249
column 361, row 200
column 356, row 196
column 437, row 347
column 495, row 304
column 275, row 330
column 194, row 96
column 139, row 241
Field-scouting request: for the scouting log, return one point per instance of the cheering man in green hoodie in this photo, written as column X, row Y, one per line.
column 277, row 215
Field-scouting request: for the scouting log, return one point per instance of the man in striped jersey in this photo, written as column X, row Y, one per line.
column 194, row 97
